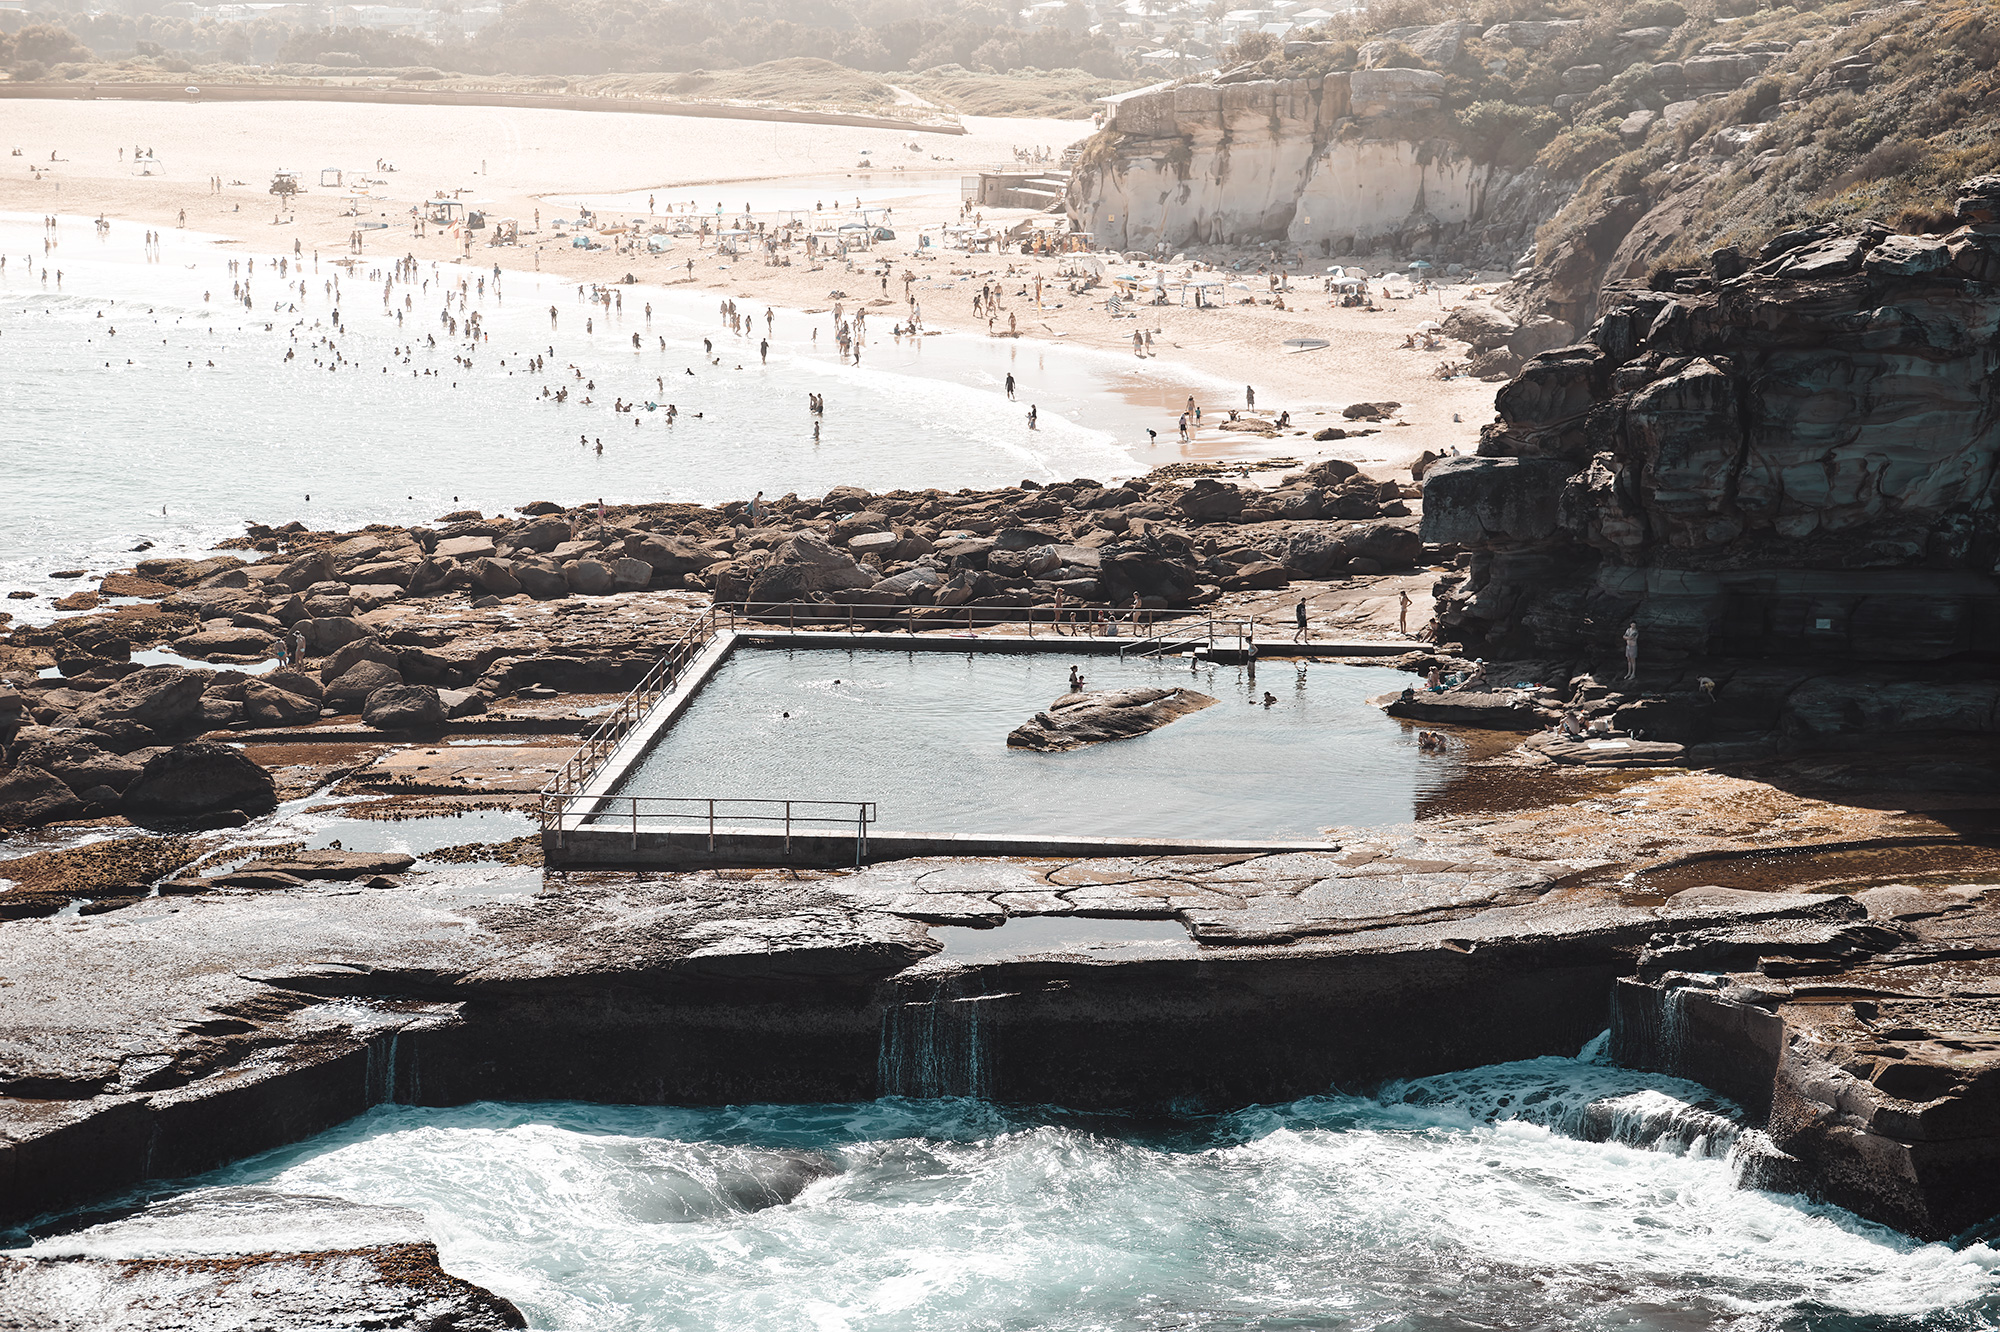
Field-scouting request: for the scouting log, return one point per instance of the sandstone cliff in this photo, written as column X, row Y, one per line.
column 1345, row 162
column 1797, row 459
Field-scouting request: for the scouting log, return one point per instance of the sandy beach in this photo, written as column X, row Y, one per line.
column 520, row 163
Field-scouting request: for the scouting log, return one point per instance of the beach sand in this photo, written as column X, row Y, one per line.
column 510, row 162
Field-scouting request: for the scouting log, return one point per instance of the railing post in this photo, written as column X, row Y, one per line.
column 711, row 824
column 788, row 827
column 635, row 821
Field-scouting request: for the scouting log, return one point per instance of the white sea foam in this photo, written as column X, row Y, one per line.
column 1440, row 1204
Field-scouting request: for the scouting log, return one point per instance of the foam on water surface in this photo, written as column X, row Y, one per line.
column 1449, row 1202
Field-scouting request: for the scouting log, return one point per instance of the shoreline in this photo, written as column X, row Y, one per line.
column 306, row 92
column 1242, row 343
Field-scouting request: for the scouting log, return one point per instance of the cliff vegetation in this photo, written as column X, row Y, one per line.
column 1858, row 113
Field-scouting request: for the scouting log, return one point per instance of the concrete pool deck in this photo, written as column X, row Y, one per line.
column 597, row 826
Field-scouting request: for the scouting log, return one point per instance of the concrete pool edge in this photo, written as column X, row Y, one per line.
column 587, row 832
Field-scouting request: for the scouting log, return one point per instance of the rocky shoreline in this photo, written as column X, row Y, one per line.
column 190, row 991
column 410, row 630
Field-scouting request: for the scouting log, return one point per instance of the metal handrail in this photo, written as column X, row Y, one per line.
column 1210, row 630
column 704, row 811
column 604, row 739
column 741, row 811
column 836, row 617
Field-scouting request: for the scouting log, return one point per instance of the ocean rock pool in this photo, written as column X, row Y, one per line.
column 924, row 735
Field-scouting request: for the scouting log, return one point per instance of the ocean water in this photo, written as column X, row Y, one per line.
column 1473, row 1200
column 924, row 735
column 148, row 399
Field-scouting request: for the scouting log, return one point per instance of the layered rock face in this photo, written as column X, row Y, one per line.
column 1861, row 1039
column 1333, row 162
column 1794, row 457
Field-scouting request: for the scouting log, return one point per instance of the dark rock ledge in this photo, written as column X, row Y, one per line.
column 180, row 1032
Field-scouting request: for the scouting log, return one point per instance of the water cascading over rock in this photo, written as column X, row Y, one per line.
column 932, row 1043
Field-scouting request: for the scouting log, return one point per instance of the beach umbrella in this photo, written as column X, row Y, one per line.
column 1430, row 326
column 1337, row 271
column 1419, row 263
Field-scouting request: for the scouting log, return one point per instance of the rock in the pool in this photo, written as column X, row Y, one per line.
column 1076, row 720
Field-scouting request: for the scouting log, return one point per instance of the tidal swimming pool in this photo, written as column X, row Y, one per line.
column 924, row 735
column 1468, row 1200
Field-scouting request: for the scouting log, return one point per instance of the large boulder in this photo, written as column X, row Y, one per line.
column 80, row 763
column 1388, row 545
column 159, row 698
column 200, row 778
column 541, row 579
column 496, row 576
column 669, row 556
column 361, row 649
column 464, row 548
column 360, row 680
column 630, row 575
column 1480, row 328
column 216, row 640
column 314, row 566
column 404, row 708
column 295, row 682
column 30, row 796
column 214, row 603
column 1211, row 501
column 323, row 636
column 1394, row 92
column 803, row 564
column 591, row 578
column 1076, row 720
column 267, row 705
column 543, row 534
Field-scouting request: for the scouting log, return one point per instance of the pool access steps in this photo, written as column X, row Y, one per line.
column 596, row 827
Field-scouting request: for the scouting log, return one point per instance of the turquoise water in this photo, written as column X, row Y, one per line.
column 924, row 736
column 188, row 419
column 1459, row 1202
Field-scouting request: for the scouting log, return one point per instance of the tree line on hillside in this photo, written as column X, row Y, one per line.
column 585, row 37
